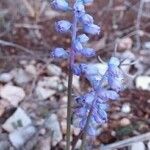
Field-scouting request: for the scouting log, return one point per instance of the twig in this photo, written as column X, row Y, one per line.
column 29, row 7
column 126, row 142
column 28, row 26
column 138, row 22
column 5, row 43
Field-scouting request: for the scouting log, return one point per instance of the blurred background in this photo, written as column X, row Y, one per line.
column 33, row 87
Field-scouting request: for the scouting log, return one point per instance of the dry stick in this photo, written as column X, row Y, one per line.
column 5, row 43
column 138, row 22
column 126, row 142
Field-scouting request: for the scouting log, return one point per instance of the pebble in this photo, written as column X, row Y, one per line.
column 44, row 144
column 76, row 82
column 138, row 146
column 20, row 136
column 13, row 94
column 147, row 45
column 6, row 77
column 126, row 108
column 18, row 120
column 125, row 122
column 125, row 43
column 62, row 113
column 43, row 93
column 64, row 126
column 53, row 70
column 21, row 76
column 143, row 82
column 4, row 145
column 52, row 124
column 78, row 145
column 49, row 82
column 31, row 69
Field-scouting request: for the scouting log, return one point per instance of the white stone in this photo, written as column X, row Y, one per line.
column 49, row 82
column 138, row 146
column 125, row 122
column 147, row 45
column 18, row 120
column 6, row 77
column 13, row 94
column 78, row 145
column 22, row 77
column 54, row 70
column 20, row 136
column 31, row 69
column 43, row 93
column 76, row 82
column 126, row 108
column 53, row 125
column 125, row 43
column 143, row 82
column 4, row 145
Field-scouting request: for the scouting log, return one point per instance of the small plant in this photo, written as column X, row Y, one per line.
column 104, row 86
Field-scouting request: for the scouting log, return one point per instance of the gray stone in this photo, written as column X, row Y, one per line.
column 54, row 70
column 6, row 77
column 20, row 136
column 53, row 125
column 138, row 146
column 18, row 120
column 13, row 94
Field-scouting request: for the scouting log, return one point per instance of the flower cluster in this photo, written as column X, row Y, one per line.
column 64, row 26
column 97, row 98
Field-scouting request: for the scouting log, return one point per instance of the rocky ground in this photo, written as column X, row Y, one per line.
column 33, row 87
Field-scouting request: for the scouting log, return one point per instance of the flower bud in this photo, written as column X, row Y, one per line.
column 59, row 53
column 79, row 7
column 114, row 61
column 76, row 69
column 86, row 19
column 63, row 26
column 88, row 52
column 60, row 5
column 83, row 38
column 91, row 29
column 77, row 46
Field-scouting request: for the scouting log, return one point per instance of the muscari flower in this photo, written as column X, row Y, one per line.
column 77, row 45
column 63, row 26
column 82, row 38
column 86, row 19
column 88, row 52
column 60, row 5
column 79, row 7
column 59, row 53
column 115, row 75
column 91, row 29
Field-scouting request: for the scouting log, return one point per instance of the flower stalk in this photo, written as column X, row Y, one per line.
column 70, row 79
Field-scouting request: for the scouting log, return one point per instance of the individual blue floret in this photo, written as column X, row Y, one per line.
column 91, row 29
column 63, row 26
column 59, row 53
column 60, row 5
